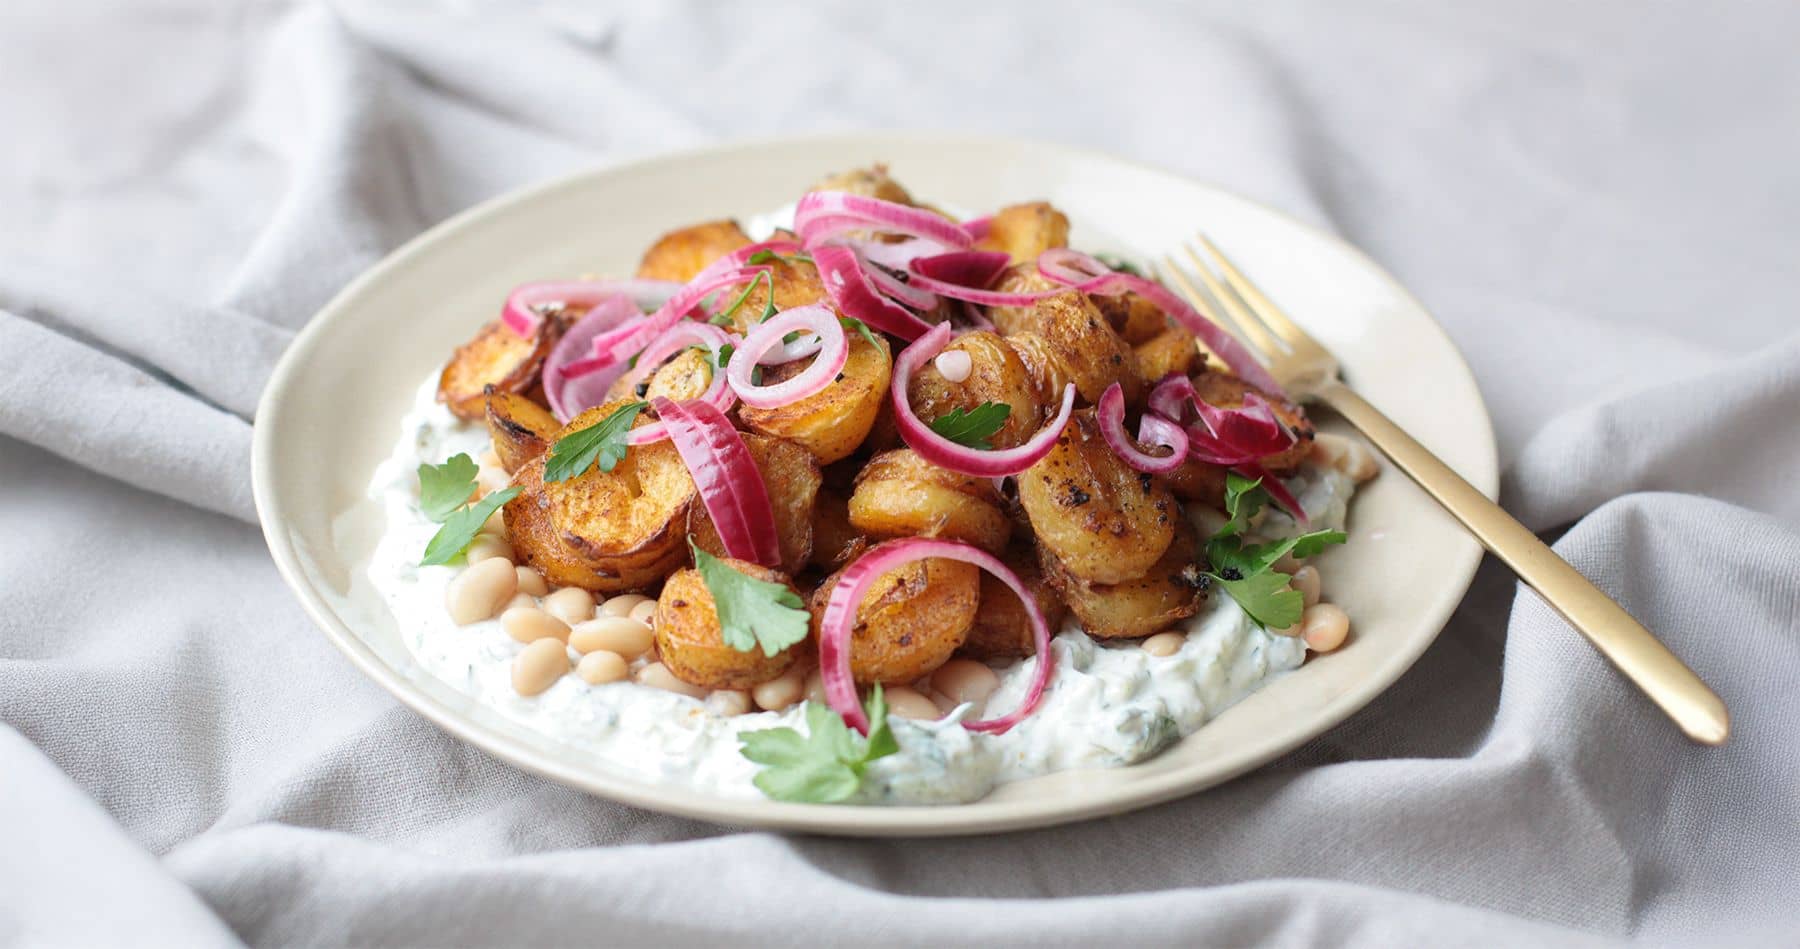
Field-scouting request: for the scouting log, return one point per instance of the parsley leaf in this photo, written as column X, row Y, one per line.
column 723, row 317
column 1268, row 598
column 723, row 357
column 765, row 255
column 852, row 323
column 973, row 429
column 827, row 763
column 752, row 612
column 1245, row 571
column 1229, row 554
column 1118, row 263
column 461, row 526
column 603, row 442
column 446, row 487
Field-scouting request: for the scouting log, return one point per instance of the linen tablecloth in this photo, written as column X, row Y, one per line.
column 1599, row 200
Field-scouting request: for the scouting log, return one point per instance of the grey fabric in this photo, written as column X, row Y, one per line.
column 1598, row 200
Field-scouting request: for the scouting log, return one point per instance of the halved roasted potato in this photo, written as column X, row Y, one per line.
column 913, row 618
column 681, row 254
column 1133, row 317
column 498, row 358
column 996, row 374
column 1226, row 391
column 1171, row 351
column 872, row 182
column 1026, row 230
column 1090, row 354
column 1169, row 592
column 1019, row 278
column 900, row 494
column 1199, row 482
column 796, row 283
column 685, row 376
column 835, row 540
column 630, row 517
column 689, row 642
column 537, row 544
column 1103, row 520
column 520, row 428
column 833, row 421
column 1001, row 628
column 790, row 475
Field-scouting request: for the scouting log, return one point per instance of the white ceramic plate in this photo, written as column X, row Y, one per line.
column 332, row 408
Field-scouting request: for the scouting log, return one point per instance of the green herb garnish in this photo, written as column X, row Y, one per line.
column 973, row 429
column 852, row 323
column 752, row 612
column 765, row 255
column 723, row 317
column 444, row 497
column 722, row 358
column 1245, row 571
column 827, row 763
column 1120, row 264
column 603, row 442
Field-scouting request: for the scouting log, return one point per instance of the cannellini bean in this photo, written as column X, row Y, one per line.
column 728, row 702
column 644, row 612
column 623, row 604
column 1306, row 580
column 1164, row 644
column 532, row 582
column 909, row 703
column 528, row 624
column 480, row 591
column 495, row 524
column 1328, row 450
column 1324, row 627
column 1287, row 564
column 539, row 665
column 780, row 692
column 620, row 634
column 964, row 680
column 815, row 686
column 599, row 668
column 658, row 676
column 1360, row 462
column 487, row 547
column 518, row 600
column 570, row 604
column 954, row 365
column 489, row 458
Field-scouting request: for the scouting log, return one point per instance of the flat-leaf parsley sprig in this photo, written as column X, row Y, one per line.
column 827, row 763
column 601, row 443
column 752, row 612
column 444, row 492
column 1246, row 571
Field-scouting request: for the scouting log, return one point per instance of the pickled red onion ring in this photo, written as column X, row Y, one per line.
column 943, row 452
column 618, row 344
column 1110, row 413
column 521, row 313
column 834, row 351
column 680, row 336
column 847, row 284
column 822, row 215
column 730, row 485
column 569, row 396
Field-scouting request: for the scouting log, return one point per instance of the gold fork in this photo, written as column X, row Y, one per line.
column 1310, row 373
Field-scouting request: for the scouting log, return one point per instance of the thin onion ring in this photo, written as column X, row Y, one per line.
column 730, row 485
column 1110, row 413
column 814, row 318
column 945, row 453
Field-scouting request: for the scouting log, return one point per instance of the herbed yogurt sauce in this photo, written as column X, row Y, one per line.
column 1106, row 705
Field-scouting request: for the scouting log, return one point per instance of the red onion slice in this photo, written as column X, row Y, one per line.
column 729, row 483
column 898, row 255
column 813, row 318
column 617, row 345
column 839, row 619
column 899, row 287
column 521, row 313
column 682, row 335
column 978, row 227
column 821, row 215
column 945, row 453
column 848, row 286
column 1110, row 413
column 1173, row 397
column 965, row 268
column 567, row 395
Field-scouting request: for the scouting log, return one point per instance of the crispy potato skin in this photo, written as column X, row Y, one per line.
column 910, row 622
column 871, row 182
column 630, row 517
column 832, row 422
column 1084, row 344
column 899, row 494
column 1104, row 521
column 791, row 476
column 1227, row 391
column 537, row 543
column 1026, row 230
column 1019, row 278
column 683, row 377
column 796, row 283
column 835, row 540
column 1166, row 594
column 1002, row 630
column 689, row 641
column 520, row 428
column 680, row 255
column 1133, row 317
column 498, row 358
column 1171, row 351
column 1198, row 482
column 996, row 374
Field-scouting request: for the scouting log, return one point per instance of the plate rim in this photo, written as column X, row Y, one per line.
column 977, row 817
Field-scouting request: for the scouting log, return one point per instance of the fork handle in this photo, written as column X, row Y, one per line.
column 1694, row 707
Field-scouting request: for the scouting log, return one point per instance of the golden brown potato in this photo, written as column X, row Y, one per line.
column 832, row 422
column 790, row 475
column 1103, row 520
column 913, row 618
column 680, row 255
column 1001, row 628
column 1197, row 481
column 900, row 494
column 995, row 375
column 683, row 377
column 689, row 642
column 871, row 182
column 1227, row 392
column 796, row 283
column 1171, row 351
column 1048, row 375
column 537, row 544
column 1026, row 230
column 498, row 358
column 1090, row 354
column 1133, row 317
column 1170, row 591
column 520, row 428
column 835, row 541
column 631, row 517
column 1019, row 278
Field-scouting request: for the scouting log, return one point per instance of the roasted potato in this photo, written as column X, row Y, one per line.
column 1026, row 230
column 1169, row 592
column 1103, row 520
column 1048, row 375
column 1173, row 350
column 871, row 182
column 796, row 283
column 912, row 619
column 791, row 477
column 537, row 544
column 683, row 377
column 1001, row 628
column 835, row 541
column 1227, row 392
column 1090, row 354
column 900, row 494
column 689, row 642
column 1019, row 278
column 1133, row 317
column 995, row 375
column 631, row 517
column 520, row 428
column 496, row 358
column 832, row 422
column 1198, row 482
column 680, row 255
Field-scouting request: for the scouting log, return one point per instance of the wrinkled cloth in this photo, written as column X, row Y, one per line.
column 1598, row 200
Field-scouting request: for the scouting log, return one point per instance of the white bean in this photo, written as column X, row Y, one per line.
column 570, row 604
column 532, row 582
column 1164, row 644
column 658, row 676
column 480, row 591
column 815, row 686
column 599, row 668
column 623, row 604
column 644, row 612
column 518, row 600
column 782, row 691
column 1306, row 580
column 1324, row 627
column 496, row 523
column 910, row 704
column 528, row 624
column 1328, row 450
column 539, row 665
column 487, row 547
column 728, row 702
column 620, row 634
column 965, row 680
column 1360, row 463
